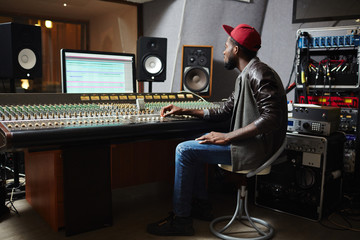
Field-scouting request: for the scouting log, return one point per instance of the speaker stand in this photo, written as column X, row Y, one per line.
column 150, row 87
column 12, row 85
column 3, row 209
column 143, row 85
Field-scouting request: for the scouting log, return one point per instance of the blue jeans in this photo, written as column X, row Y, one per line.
column 190, row 159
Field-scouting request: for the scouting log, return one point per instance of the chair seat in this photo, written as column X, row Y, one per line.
column 265, row 171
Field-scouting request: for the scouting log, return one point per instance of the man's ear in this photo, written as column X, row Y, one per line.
column 235, row 49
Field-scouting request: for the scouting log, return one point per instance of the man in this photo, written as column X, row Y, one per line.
column 258, row 112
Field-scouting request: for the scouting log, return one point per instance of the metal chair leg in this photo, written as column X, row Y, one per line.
column 242, row 206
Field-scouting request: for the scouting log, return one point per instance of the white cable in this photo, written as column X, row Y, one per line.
column 11, row 170
column 194, row 94
column 12, row 194
column 178, row 46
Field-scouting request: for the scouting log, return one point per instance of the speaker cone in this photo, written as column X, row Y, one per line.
column 305, row 178
column 196, row 79
column 153, row 65
column 27, row 58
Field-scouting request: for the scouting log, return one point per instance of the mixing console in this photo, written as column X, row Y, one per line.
column 40, row 116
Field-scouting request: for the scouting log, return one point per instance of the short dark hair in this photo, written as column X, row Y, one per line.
column 249, row 54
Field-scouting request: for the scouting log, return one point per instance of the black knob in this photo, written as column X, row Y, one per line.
column 306, row 125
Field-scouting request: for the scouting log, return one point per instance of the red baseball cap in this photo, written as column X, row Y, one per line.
column 245, row 35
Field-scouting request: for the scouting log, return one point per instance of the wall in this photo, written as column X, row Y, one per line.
column 115, row 31
column 198, row 22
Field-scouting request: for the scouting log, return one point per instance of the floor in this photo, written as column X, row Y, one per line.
column 135, row 207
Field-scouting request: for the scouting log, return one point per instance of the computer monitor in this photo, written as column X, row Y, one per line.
column 97, row 72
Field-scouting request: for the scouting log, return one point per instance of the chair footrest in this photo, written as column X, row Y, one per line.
column 267, row 234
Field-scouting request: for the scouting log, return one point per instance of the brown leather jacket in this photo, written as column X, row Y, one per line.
column 270, row 98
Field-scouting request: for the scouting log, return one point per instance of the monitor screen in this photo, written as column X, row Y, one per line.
column 97, row 72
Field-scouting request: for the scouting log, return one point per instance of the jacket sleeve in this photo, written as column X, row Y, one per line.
column 223, row 113
column 271, row 99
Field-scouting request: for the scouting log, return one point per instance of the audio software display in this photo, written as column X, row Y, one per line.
column 97, row 72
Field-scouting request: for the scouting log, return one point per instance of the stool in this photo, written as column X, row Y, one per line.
column 242, row 204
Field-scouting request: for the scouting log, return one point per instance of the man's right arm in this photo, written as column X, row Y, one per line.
column 174, row 110
column 220, row 114
column 223, row 113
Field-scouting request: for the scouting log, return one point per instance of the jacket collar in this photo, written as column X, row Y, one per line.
column 252, row 61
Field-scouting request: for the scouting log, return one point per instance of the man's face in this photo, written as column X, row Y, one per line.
column 229, row 55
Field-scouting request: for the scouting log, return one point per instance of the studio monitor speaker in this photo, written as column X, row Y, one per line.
column 20, row 47
column 196, row 74
column 151, row 59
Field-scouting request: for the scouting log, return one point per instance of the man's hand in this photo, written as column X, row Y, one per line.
column 214, row 138
column 170, row 109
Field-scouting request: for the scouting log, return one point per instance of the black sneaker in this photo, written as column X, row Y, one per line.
column 202, row 209
column 172, row 226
